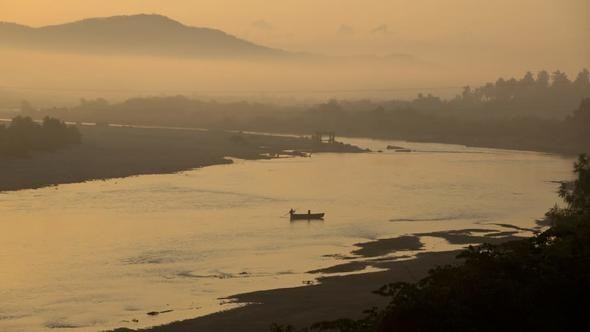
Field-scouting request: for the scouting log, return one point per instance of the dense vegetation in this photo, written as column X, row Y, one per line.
column 536, row 284
column 24, row 135
column 546, row 95
column 534, row 112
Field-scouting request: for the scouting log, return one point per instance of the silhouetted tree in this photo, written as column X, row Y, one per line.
column 528, row 80
column 543, row 79
column 559, row 80
column 583, row 78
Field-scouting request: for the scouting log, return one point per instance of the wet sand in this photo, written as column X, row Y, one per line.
column 335, row 296
column 115, row 152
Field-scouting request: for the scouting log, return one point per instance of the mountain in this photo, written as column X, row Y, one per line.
column 136, row 34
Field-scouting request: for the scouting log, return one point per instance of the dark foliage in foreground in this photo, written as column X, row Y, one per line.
column 540, row 283
column 23, row 135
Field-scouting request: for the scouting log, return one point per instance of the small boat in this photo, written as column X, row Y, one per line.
column 306, row 216
column 398, row 148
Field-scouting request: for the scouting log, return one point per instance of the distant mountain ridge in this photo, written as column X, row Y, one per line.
column 143, row 34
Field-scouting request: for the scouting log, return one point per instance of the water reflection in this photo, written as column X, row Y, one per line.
column 106, row 253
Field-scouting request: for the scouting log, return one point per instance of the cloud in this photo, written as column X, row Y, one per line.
column 346, row 30
column 262, row 25
column 382, row 29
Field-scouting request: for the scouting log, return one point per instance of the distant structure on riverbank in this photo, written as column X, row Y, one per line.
column 324, row 137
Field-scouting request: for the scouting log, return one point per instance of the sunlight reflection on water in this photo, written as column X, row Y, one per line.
column 98, row 255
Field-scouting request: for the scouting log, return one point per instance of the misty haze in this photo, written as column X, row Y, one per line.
column 294, row 166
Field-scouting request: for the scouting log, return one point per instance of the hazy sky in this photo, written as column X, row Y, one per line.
column 427, row 28
column 454, row 42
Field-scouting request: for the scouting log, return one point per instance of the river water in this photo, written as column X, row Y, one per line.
column 102, row 254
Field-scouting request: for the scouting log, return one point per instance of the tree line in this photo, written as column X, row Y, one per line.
column 567, row 135
column 23, row 135
column 534, row 113
column 543, row 95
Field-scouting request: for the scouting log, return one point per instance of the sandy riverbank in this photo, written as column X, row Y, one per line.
column 337, row 296
column 114, row 152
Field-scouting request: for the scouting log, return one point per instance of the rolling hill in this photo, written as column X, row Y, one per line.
column 135, row 35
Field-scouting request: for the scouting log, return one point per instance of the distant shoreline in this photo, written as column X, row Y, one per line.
column 471, row 143
column 117, row 152
column 474, row 142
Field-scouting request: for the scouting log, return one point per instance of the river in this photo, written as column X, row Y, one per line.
column 102, row 254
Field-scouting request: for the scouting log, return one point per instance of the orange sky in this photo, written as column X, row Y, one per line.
column 429, row 28
column 455, row 42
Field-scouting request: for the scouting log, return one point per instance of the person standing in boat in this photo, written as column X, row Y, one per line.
column 291, row 211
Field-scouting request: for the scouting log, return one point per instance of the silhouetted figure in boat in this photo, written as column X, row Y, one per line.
column 305, row 216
